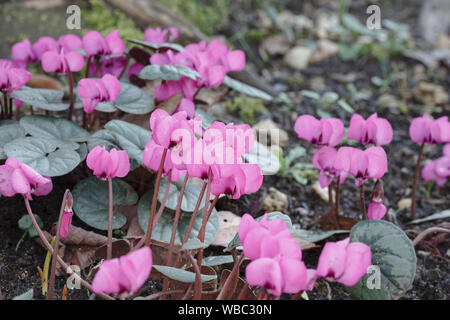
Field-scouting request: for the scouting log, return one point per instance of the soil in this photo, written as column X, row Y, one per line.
column 18, row 270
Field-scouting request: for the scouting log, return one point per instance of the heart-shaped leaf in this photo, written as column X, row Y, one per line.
column 190, row 196
column 107, row 139
column 163, row 229
column 25, row 223
column 130, row 137
column 82, row 151
column 133, row 100
column 168, row 72
column 154, row 46
column 393, row 257
column 44, row 156
column 181, row 275
column 45, row 99
column 193, row 244
column 268, row 161
column 91, row 201
column 246, row 89
column 60, row 130
column 236, row 242
column 9, row 133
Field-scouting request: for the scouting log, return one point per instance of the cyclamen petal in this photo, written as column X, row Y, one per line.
column 265, row 272
column 376, row 211
column 108, row 164
column 374, row 130
column 125, row 274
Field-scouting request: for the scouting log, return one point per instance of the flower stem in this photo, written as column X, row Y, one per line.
column 202, row 231
column 49, row 247
column 330, row 201
column 336, row 199
column 191, row 222
column 231, row 283
column 110, row 220
column 363, row 203
column 414, row 187
column 51, row 287
column 177, row 218
column 198, row 278
column 163, row 203
column 155, row 199
column 72, row 100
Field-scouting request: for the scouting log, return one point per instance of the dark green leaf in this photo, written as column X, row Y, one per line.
column 246, row 89
column 168, row 72
column 45, row 99
column 154, row 46
column 182, row 275
column 91, row 201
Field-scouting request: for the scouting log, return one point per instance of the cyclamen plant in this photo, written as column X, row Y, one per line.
column 178, row 149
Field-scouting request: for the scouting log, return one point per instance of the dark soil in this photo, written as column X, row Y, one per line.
column 18, row 270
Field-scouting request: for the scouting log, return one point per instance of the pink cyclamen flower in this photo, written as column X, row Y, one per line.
column 437, row 170
column 374, row 130
column 43, row 45
column 152, row 157
column 12, row 78
column 70, row 42
column 114, row 163
column 159, row 36
column 252, row 233
column 276, row 257
column 125, row 274
column 169, row 130
column 19, row 178
column 93, row 92
column 95, row 44
column 235, row 180
column 61, row 62
column 425, row 130
column 344, row 261
column 324, row 160
column 320, row 132
column 22, row 52
column 370, row 163
column 114, row 66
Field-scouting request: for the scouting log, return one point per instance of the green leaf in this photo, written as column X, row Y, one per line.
column 268, row 161
column 163, row 229
column 316, row 235
column 108, row 139
column 440, row 215
column 154, row 46
column 182, row 275
column 168, row 72
column 9, row 133
column 217, row 260
column 25, row 224
column 190, row 196
column 344, row 105
column 91, row 201
column 295, row 153
column 61, row 130
column 44, row 155
column 246, row 89
column 275, row 215
column 130, row 137
column 394, row 255
column 25, row 296
column 132, row 99
column 45, row 99
column 82, row 151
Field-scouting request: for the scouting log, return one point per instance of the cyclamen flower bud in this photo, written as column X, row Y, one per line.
column 66, row 219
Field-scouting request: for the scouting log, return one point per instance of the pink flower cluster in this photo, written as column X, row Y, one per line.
column 213, row 154
column 425, row 130
column 124, row 275
column 19, row 178
column 276, row 258
column 332, row 163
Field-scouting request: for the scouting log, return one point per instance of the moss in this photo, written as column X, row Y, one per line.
column 247, row 108
column 208, row 15
column 99, row 17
